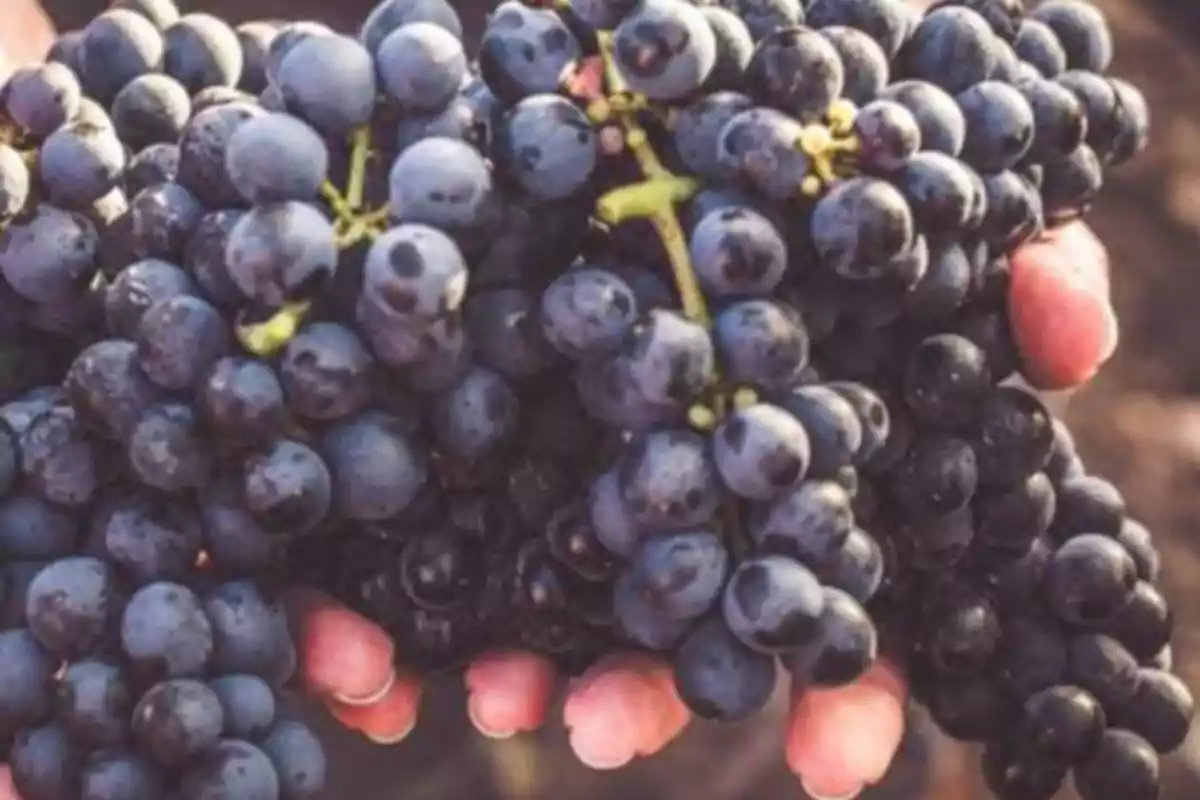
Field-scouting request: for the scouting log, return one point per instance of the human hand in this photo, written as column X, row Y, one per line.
column 838, row 741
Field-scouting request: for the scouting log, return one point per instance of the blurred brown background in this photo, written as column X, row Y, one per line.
column 1138, row 424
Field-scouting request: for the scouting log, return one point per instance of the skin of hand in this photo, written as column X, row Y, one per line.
column 836, row 741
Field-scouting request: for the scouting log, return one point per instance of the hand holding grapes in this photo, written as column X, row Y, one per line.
column 837, row 741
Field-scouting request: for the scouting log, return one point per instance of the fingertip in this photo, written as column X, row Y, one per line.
column 1059, row 308
column 389, row 720
column 343, row 655
column 509, row 693
column 623, row 708
column 7, row 790
column 842, row 739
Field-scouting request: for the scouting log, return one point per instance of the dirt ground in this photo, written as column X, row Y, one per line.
column 1138, row 424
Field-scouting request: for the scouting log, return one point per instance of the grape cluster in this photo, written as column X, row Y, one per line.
column 653, row 325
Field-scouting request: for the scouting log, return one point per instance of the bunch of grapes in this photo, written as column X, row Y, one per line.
column 651, row 325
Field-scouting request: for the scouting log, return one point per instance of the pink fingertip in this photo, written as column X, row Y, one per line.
column 611, row 716
column 7, row 790
column 509, row 693
column 841, row 739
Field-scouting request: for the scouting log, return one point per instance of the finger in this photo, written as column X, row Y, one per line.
column 623, row 708
column 508, row 693
column 1059, row 308
column 7, row 790
column 342, row 655
column 842, row 740
column 388, row 720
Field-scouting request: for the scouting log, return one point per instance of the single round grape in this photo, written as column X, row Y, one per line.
column 165, row 633
column 737, row 252
column 1038, row 44
column 947, row 380
column 177, row 720
column 162, row 217
column 179, row 339
column 33, row 528
column 664, row 49
column 477, row 416
column 718, row 677
column 1000, row 126
column 1089, row 579
column 43, row 97
column 116, row 47
column 70, row 606
column 798, row 71
column 276, row 157
column 279, row 252
column 952, row 47
column 548, row 146
column 888, row 135
column 169, row 449
column 761, row 451
column 587, row 311
column 151, row 109
column 80, row 162
column 1082, row 31
column 859, row 226
column 415, row 272
column 773, row 604
column 761, row 343
column 376, row 468
column 444, row 183
column 202, row 51
column 1071, row 184
column 422, row 65
column 757, row 150
column 287, row 487
column 326, row 372
column 248, row 705
column 330, row 82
